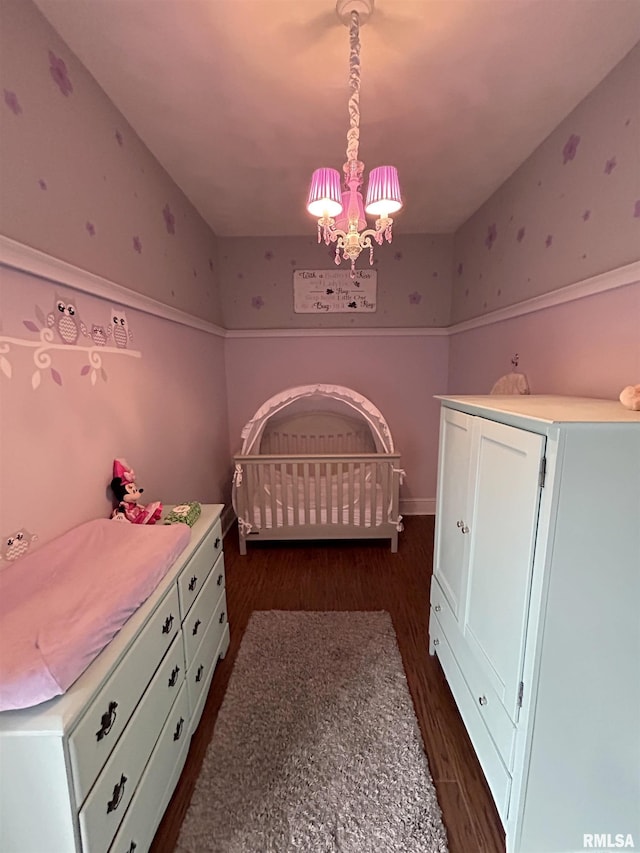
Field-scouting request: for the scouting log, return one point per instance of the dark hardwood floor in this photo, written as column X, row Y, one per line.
column 357, row 576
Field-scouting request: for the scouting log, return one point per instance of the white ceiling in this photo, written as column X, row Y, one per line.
column 241, row 99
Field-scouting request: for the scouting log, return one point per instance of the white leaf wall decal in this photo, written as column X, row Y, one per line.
column 5, row 366
column 35, row 380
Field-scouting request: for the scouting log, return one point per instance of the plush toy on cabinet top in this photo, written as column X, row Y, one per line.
column 630, row 397
column 126, row 492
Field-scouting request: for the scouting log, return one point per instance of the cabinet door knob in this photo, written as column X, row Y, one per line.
column 465, row 529
column 436, row 642
column 437, row 608
column 192, row 583
column 482, row 700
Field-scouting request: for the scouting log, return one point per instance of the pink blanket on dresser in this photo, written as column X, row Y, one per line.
column 61, row 605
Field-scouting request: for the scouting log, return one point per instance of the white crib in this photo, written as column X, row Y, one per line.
column 319, row 474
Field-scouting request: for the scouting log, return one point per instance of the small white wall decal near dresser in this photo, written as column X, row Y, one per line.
column 94, row 770
column 535, row 609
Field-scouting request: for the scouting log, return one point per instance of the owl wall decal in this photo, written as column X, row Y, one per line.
column 17, row 544
column 119, row 328
column 98, row 335
column 64, row 318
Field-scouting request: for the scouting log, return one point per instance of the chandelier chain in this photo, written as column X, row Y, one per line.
column 353, row 135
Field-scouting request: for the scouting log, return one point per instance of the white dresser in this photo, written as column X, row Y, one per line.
column 94, row 769
column 535, row 610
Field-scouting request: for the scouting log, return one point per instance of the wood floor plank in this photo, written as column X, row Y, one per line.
column 356, row 576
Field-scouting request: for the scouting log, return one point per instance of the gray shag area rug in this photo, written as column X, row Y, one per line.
column 316, row 747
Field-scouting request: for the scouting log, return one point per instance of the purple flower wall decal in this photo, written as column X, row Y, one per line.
column 293, row 262
column 570, row 148
column 520, row 234
column 210, row 264
column 11, row 100
column 59, row 73
column 492, row 235
column 169, row 219
column 240, row 275
column 460, row 268
column 397, row 256
column 91, row 229
column 42, row 184
column 118, row 137
column 268, row 255
column 586, row 216
column 610, row 165
column 257, row 302
column 137, row 244
column 415, row 298
column 636, row 210
column 549, row 241
column 434, row 275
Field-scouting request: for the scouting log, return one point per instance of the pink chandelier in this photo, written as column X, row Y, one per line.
column 341, row 212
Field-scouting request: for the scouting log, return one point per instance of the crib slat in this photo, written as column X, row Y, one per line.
column 340, row 499
column 351, row 494
column 328, row 481
column 373, row 493
column 307, row 493
column 295, row 498
column 318, row 484
column 284, row 486
column 363, row 494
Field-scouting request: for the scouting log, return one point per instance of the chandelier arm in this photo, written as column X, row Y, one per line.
column 353, row 134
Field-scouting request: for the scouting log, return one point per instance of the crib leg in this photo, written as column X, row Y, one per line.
column 242, row 542
column 394, row 543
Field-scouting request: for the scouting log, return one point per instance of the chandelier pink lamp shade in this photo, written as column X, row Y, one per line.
column 383, row 191
column 325, row 195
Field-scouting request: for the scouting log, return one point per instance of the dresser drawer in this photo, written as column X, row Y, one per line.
column 195, row 573
column 97, row 732
column 158, row 781
column 198, row 618
column 106, row 804
column 500, row 726
column 203, row 669
column 496, row 774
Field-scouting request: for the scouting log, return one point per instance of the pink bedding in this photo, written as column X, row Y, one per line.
column 61, row 605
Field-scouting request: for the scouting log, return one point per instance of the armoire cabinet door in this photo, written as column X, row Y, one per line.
column 452, row 513
column 501, row 548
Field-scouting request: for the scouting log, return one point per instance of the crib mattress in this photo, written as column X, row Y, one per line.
column 289, row 505
column 61, row 605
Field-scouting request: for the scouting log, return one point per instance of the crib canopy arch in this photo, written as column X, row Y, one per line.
column 311, row 398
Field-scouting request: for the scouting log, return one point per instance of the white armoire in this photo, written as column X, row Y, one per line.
column 535, row 610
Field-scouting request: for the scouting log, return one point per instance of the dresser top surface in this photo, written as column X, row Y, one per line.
column 546, row 408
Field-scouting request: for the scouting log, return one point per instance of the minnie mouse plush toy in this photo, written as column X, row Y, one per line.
column 126, row 492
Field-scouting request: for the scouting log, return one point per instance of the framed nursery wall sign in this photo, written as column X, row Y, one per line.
column 331, row 291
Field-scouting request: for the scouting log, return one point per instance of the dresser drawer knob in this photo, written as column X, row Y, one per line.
column 222, row 616
column 174, row 676
column 436, row 642
column 132, row 847
column 107, row 720
column 168, row 624
column 192, row 583
column 482, row 700
column 459, row 523
column 219, row 581
column 437, row 608
column 216, row 544
column 465, row 529
column 118, row 794
column 199, row 674
column 178, row 732
column 196, row 626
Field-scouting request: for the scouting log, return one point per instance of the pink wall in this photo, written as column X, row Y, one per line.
column 62, row 423
column 399, row 374
column 589, row 347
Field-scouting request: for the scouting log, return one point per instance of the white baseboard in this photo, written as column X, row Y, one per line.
column 418, row 506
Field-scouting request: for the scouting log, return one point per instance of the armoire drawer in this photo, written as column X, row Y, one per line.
column 500, row 726
column 198, row 618
column 106, row 804
column 165, row 765
column 195, row 573
column 97, row 732
column 496, row 774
